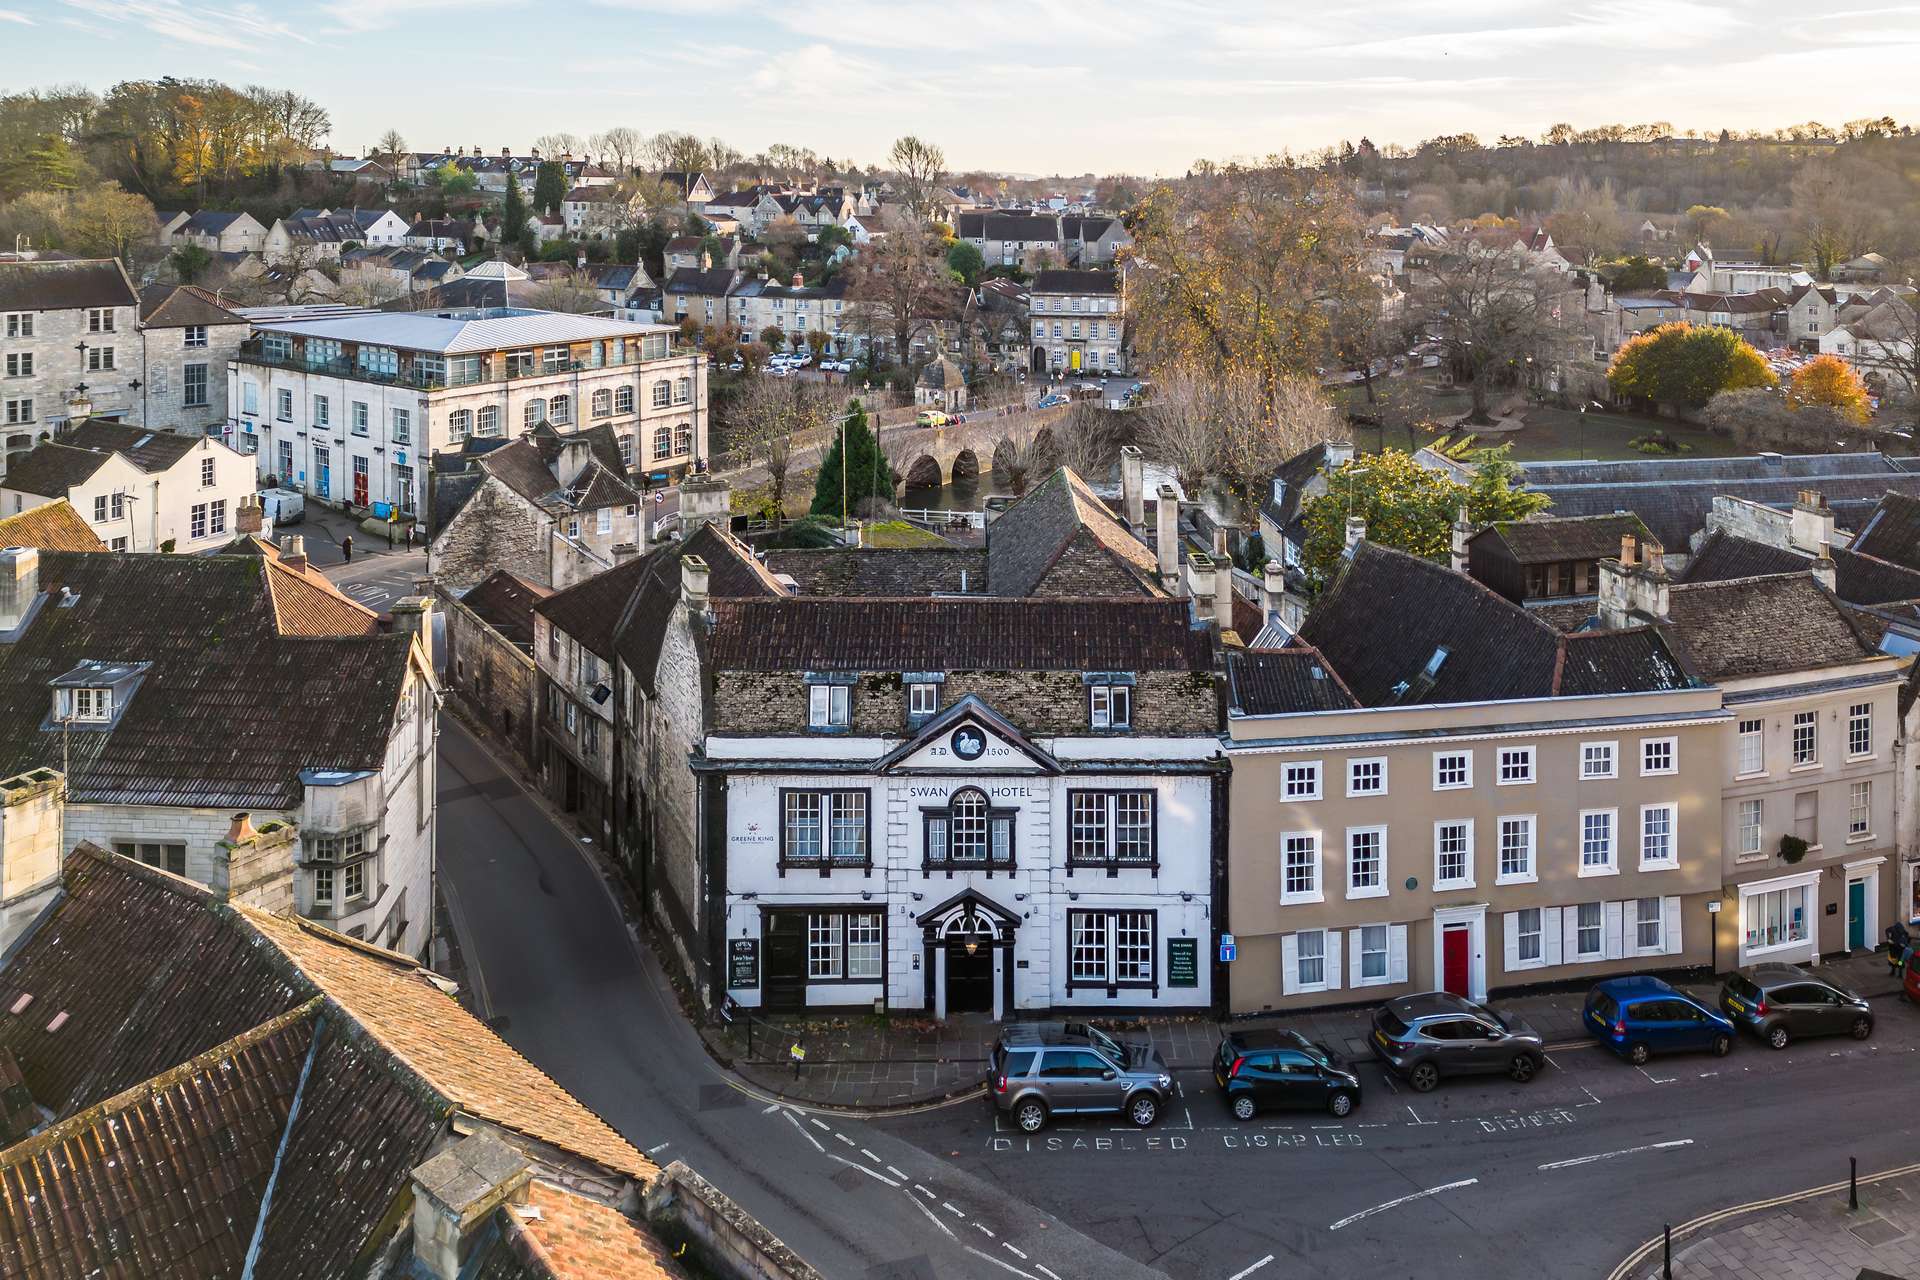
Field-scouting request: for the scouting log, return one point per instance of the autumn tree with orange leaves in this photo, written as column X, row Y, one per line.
column 1831, row 383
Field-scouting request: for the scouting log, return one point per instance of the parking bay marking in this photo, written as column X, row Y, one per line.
column 1242, row 1275
column 803, row 1132
column 1608, row 1155
column 1396, row 1203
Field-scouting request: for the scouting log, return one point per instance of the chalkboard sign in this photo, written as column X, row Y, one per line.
column 743, row 963
column 1183, row 962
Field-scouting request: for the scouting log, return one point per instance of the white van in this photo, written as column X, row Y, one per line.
column 282, row 506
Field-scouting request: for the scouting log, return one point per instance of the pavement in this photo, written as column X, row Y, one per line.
column 879, row 1062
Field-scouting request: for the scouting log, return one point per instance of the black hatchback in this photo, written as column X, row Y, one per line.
column 1256, row 1070
column 1783, row 1002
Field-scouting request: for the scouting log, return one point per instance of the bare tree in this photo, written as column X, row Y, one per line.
column 552, row 146
column 899, row 279
column 1258, row 428
column 1089, row 438
column 669, row 152
column 392, row 144
column 765, row 420
column 619, row 148
column 569, row 292
column 1178, row 424
column 920, row 167
column 1491, row 307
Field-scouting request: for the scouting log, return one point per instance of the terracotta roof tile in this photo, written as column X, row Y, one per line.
column 575, row 1238
column 52, row 526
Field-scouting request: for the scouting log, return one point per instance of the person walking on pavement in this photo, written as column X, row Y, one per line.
column 346, row 548
column 409, row 535
column 1898, row 942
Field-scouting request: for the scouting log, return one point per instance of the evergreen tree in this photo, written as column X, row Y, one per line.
column 867, row 474
column 549, row 186
column 514, row 215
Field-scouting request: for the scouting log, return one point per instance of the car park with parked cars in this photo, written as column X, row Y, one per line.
column 1430, row 1037
column 1640, row 1016
column 1782, row 1003
column 1038, row 1071
column 1257, row 1070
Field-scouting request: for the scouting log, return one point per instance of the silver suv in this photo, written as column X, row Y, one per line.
column 1037, row 1072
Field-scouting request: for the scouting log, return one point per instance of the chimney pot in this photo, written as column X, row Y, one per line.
column 1356, row 531
column 1824, row 571
column 1166, row 519
column 242, row 829
column 293, row 552
column 1626, row 549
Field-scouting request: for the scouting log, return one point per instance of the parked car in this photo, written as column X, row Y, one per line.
column 1036, row 1072
column 1637, row 1017
column 1047, row 402
column 1778, row 1002
column 734, row 365
column 835, row 366
column 781, row 370
column 1255, row 1070
column 930, row 418
column 1426, row 1038
column 801, row 359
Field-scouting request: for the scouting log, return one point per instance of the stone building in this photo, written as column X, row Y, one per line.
column 187, row 336
column 489, row 656
column 1079, row 322
column 64, row 323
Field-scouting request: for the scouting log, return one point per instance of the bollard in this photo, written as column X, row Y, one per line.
column 1666, row 1252
column 1853, row 1183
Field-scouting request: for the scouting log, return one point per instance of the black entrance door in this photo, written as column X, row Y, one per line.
column 969, row 979
column 786, row 961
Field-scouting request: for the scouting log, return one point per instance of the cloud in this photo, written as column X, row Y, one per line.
column 241, row 27
column 8, row 15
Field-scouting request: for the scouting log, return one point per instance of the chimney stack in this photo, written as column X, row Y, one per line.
column 1356, row 531
column 1273, row 589
column 694, row 576
column 1462, row 530
column 293, row 552
column 1824, row 572
column 580, row 260
column 1810, row 527
column 706, row 260
column 799, row 281
column 1223, row 589
column 1166, row 518
column 1339, row 454
column 414, row 614
column 1133, row 479
column 704, row 499
column 19, row 585
column 456, row 1193
column 1633, row 588
column 248, row 518
column 1201, row 583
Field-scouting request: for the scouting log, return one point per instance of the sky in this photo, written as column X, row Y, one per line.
column 1028, row 86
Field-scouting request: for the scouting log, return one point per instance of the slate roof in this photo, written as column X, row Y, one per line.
column 64, row 283
column 51, row 526
column 1553, row 539
column 1723, row 555
column 1389, row 614
column 1265, row 682
column 191, row 1027
column 865, row 571
column 713, row 282
column 943, row 375
column 1762, row 626
column 1864, row 579
column 504, row 601
column 230, row 711
column 164, row 306
column 803, row 634
column 1076, row 282
column 591, row 611
column 732, row 571
column 1293, row 475
column 148, row 450
column 52, row 469
column 1892, row 532
column 1026, row 227
column 1061, row 517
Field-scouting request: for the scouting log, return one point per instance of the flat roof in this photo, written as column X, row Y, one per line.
column 463, row 329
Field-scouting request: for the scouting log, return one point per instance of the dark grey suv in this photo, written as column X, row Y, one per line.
column 1427, row 1037
column 1041, row 1071
column 1782, row 1002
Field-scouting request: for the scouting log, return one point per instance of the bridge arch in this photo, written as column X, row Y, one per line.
column 924, row 473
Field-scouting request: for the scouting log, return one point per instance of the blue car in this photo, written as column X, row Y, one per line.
column 1639, row 1017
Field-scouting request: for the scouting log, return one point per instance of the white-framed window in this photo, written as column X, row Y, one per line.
column 197, row 520
column 20, row 324
column 823, row 824
column 1529, row 951
column 560, row 411
column 1372, row 954
column 1299, row 867
column 283, row 403
column 217, row 515
column 603, row 522
column 1775, row 918
column 1453, row 854
column 1806, row 737
column 1516, row 849
column 19, row 364
column 534, row 413
column 1659, row 837
column 1649, row 926
column 824, row 959
column 1110, row 828
column 922, row 700
column 683, row 391
column 1367, row 776
column 602, row 403
column 1111, row 947
column 486, row 420
column 93, row 706
column 1516, row 766
column 353, row 880
column 1599, row 760
column 322, row 411
column 1452, row 770
column 402, row 426
column 323, row 886
column 662, row 443
column 460, row 423
column 1366, row 862
column 100, row 359
column 1310, row 961
column 626, row 449
column 360, row 417
column 1753, row 756
column 1110, row 706
column 1589, row 940
column 206, row 473
column 623, row 399
column 1659, row 755
column 828, row 706
column 1300, row 780
column 1859, row 809
column 19, row 410
column 1749, row 821
column 865, row 957
column 1597, row 842
column 100, row 320
column 1860, row 729
column 662, row 395
column 195, row 335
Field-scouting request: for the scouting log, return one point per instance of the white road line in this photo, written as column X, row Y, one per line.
column 869, row 1155
column 984, row 1231
column 1550, row 1062
column 854, row 1164
column 1594, row 1103
column 844, row 1138
column 934, row 1219
column 896, row 1173
column 1416, row 1116
column 770, row 1110
column 1242, row 1275
column 803, row 1132
column 657, row 1150
column 950, row 1209
column 1043, row 1271
column 1015, row 1252
column 823, row 1126
column 1002, row 1263
column 1394, row 1204
column 1628, row 1151
column 1656, row 1079
column 923, row 1191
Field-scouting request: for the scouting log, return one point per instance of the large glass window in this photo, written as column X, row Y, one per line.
column 969, row 833
column 1806, row 737
column 1111, row 827
column 829, row 824
column 1777, row 918
column 824, row 959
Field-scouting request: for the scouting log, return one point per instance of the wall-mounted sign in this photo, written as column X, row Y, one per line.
column 1183, row 962
column 968, row 743
column 1227, row 949
column 743, row 963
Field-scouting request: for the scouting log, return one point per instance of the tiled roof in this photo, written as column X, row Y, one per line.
column 1864, row 579
column 1723, row 555
column 52, row 469
column 149, row 450
column 1293, row 475
column 63, row 284
column 849, row 571
column 229, row 712
column 1892, row 532
column 1062, row 517
column 1626, row 661
column 1550, row 539
column 574, row 1238
column 588, row 612
column 1024, row 227
column 732, row 572
column 51, row 526
column 1283, row 681
column 1067, row 281
column 174, row 306
column 1762, row 626
column 504, row 601
column 714, row 281
column 802, row 633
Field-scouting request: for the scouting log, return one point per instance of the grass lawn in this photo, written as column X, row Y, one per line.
column 899, row 535
column 1564, row 435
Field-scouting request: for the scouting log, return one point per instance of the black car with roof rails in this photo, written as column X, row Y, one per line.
column 1429, row 1037
column 1258, row 1070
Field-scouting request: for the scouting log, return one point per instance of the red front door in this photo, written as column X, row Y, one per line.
column 1456, row 959
column 359, row 482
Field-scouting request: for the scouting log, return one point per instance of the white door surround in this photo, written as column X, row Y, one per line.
column 1475, row 918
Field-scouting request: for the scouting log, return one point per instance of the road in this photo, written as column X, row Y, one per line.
column 553, row 967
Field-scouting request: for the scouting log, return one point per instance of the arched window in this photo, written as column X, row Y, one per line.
column 683, row 391
column 683, row 439
column 488, row 421
column 969, row 833
column 460, row 423
column 623, row 400
column 662, row 444
column 560, row 411
column 534, row 414
column 602, row 403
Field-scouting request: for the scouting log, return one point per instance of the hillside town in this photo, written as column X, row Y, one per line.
column 604, row 706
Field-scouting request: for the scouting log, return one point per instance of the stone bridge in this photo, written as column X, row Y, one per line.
column 988, row 440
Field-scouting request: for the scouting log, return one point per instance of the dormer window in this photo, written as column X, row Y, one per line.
column 1109, row 701
column 922, row 700
column 95, row 694
column 92, row 706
